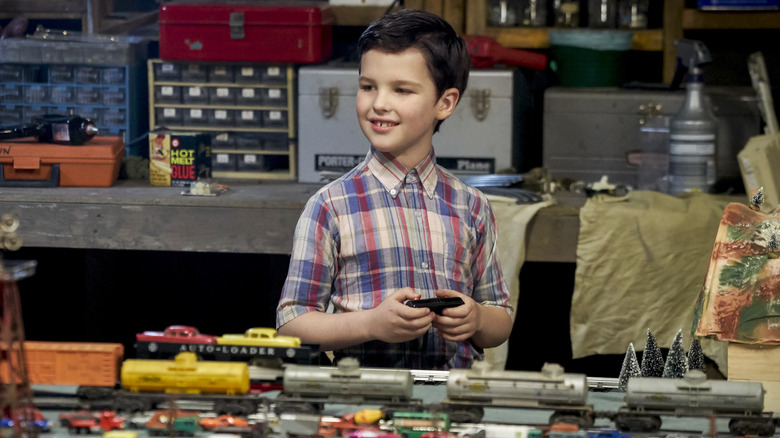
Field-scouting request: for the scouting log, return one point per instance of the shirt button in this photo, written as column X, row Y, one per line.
column 393, row 192
column 418, row 214
column 424, row 265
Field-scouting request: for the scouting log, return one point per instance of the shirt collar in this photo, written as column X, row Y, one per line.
column 392, row 174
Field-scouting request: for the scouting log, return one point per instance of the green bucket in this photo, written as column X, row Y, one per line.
column 590, row 58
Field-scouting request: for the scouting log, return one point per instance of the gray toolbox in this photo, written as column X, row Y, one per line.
column 479, row 137
column 591, row 132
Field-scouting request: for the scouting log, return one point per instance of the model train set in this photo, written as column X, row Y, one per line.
column 239, row 387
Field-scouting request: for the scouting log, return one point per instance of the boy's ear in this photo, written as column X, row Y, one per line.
column 447, row 102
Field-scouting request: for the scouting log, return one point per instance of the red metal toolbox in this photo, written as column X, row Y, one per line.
column 270, row 31
column 29, row 163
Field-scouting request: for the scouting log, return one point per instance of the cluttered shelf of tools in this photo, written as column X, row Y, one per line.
column 251, row 217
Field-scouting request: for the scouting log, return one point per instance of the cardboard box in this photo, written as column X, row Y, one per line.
column 757, row 363
column 299, row 32
column 178, row 158
column 759, row 163
column 27, row 162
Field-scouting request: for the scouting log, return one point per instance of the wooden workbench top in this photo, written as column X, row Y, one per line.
column 251, row 217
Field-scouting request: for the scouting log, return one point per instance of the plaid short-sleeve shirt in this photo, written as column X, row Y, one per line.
column 382, row 227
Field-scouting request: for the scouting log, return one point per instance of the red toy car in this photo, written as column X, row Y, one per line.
column 177, row 333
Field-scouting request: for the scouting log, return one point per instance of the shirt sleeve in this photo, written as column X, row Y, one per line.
column 312, row 263
column 491, row 288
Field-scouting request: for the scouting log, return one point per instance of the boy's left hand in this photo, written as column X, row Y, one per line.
column 458, row 323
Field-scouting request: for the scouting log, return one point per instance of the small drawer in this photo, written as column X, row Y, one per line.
column 11, row 115
column 195, row 116
column 273, row 96
column 61, row 74
column 94, row 114
column 222, row 95
column 273, row 74
column 167, row 71
column 114, row 96
column 223, row 140
column 249, row 118
column 251, row 162
column 274, row 119
column 36, row 93
column 112, row 75
column 194, row 73
column 167, row 94
column 249, row 96
column 248, row 74
column 87, row 75
column 222, row 117
column 62, row 94
column 194, row 94
column 221, row 74
column 11, row 93
column 248, row 140
column 33, row 112
column 11, row 73
column 224, row 162
column 116, row 117
column 87, row 95
column 168, row 116
column 276, row 142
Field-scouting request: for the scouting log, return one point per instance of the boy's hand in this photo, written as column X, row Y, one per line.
column 395, row 322
column 458, row 323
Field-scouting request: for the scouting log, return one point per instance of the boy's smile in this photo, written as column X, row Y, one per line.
column 397, row 105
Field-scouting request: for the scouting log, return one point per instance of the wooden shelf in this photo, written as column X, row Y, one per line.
column 538, row 38
column 743, row 20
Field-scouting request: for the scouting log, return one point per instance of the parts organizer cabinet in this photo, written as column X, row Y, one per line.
column 482, row 136
column 248, row 109
column 112, row 96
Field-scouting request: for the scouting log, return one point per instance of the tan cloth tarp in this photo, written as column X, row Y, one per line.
column 641, row 262
column 513, row 220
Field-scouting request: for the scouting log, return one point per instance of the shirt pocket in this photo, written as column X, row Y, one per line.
column 458, row 259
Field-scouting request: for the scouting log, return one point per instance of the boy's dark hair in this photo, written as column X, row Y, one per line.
column 446, row 54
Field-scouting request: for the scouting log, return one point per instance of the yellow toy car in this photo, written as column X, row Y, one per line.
column 260, row 337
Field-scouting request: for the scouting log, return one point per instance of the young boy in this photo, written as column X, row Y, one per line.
column 398, row 227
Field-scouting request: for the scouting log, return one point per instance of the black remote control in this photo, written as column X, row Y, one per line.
column 436, row 304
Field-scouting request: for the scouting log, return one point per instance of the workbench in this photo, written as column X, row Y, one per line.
column 251, row 217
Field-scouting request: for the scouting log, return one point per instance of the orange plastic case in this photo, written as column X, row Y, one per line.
column 29, row 163
column 71, row 363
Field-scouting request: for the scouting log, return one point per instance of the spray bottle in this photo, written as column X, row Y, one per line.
column 693, row 130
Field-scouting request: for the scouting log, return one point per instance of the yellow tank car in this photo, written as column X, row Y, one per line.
column 260, row 337
column 185, row 375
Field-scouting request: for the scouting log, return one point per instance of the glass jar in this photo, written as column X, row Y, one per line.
column 632, row 14
column 567, row 13
column 534, row 13
column 503, row 13
column 602, row 14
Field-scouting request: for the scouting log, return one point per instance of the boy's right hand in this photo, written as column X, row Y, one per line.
column 396, row 322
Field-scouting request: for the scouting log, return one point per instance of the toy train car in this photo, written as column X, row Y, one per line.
column 185, row 374
column 346, row 383
column 565, row 393
column 148, row 383
column 71, row 363
column 647, row 399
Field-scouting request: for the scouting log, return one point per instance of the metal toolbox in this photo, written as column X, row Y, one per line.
column 299, row 32
column 591, row 132
column 478, row 138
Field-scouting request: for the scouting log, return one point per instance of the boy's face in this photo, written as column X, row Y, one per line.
column 397, row 107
